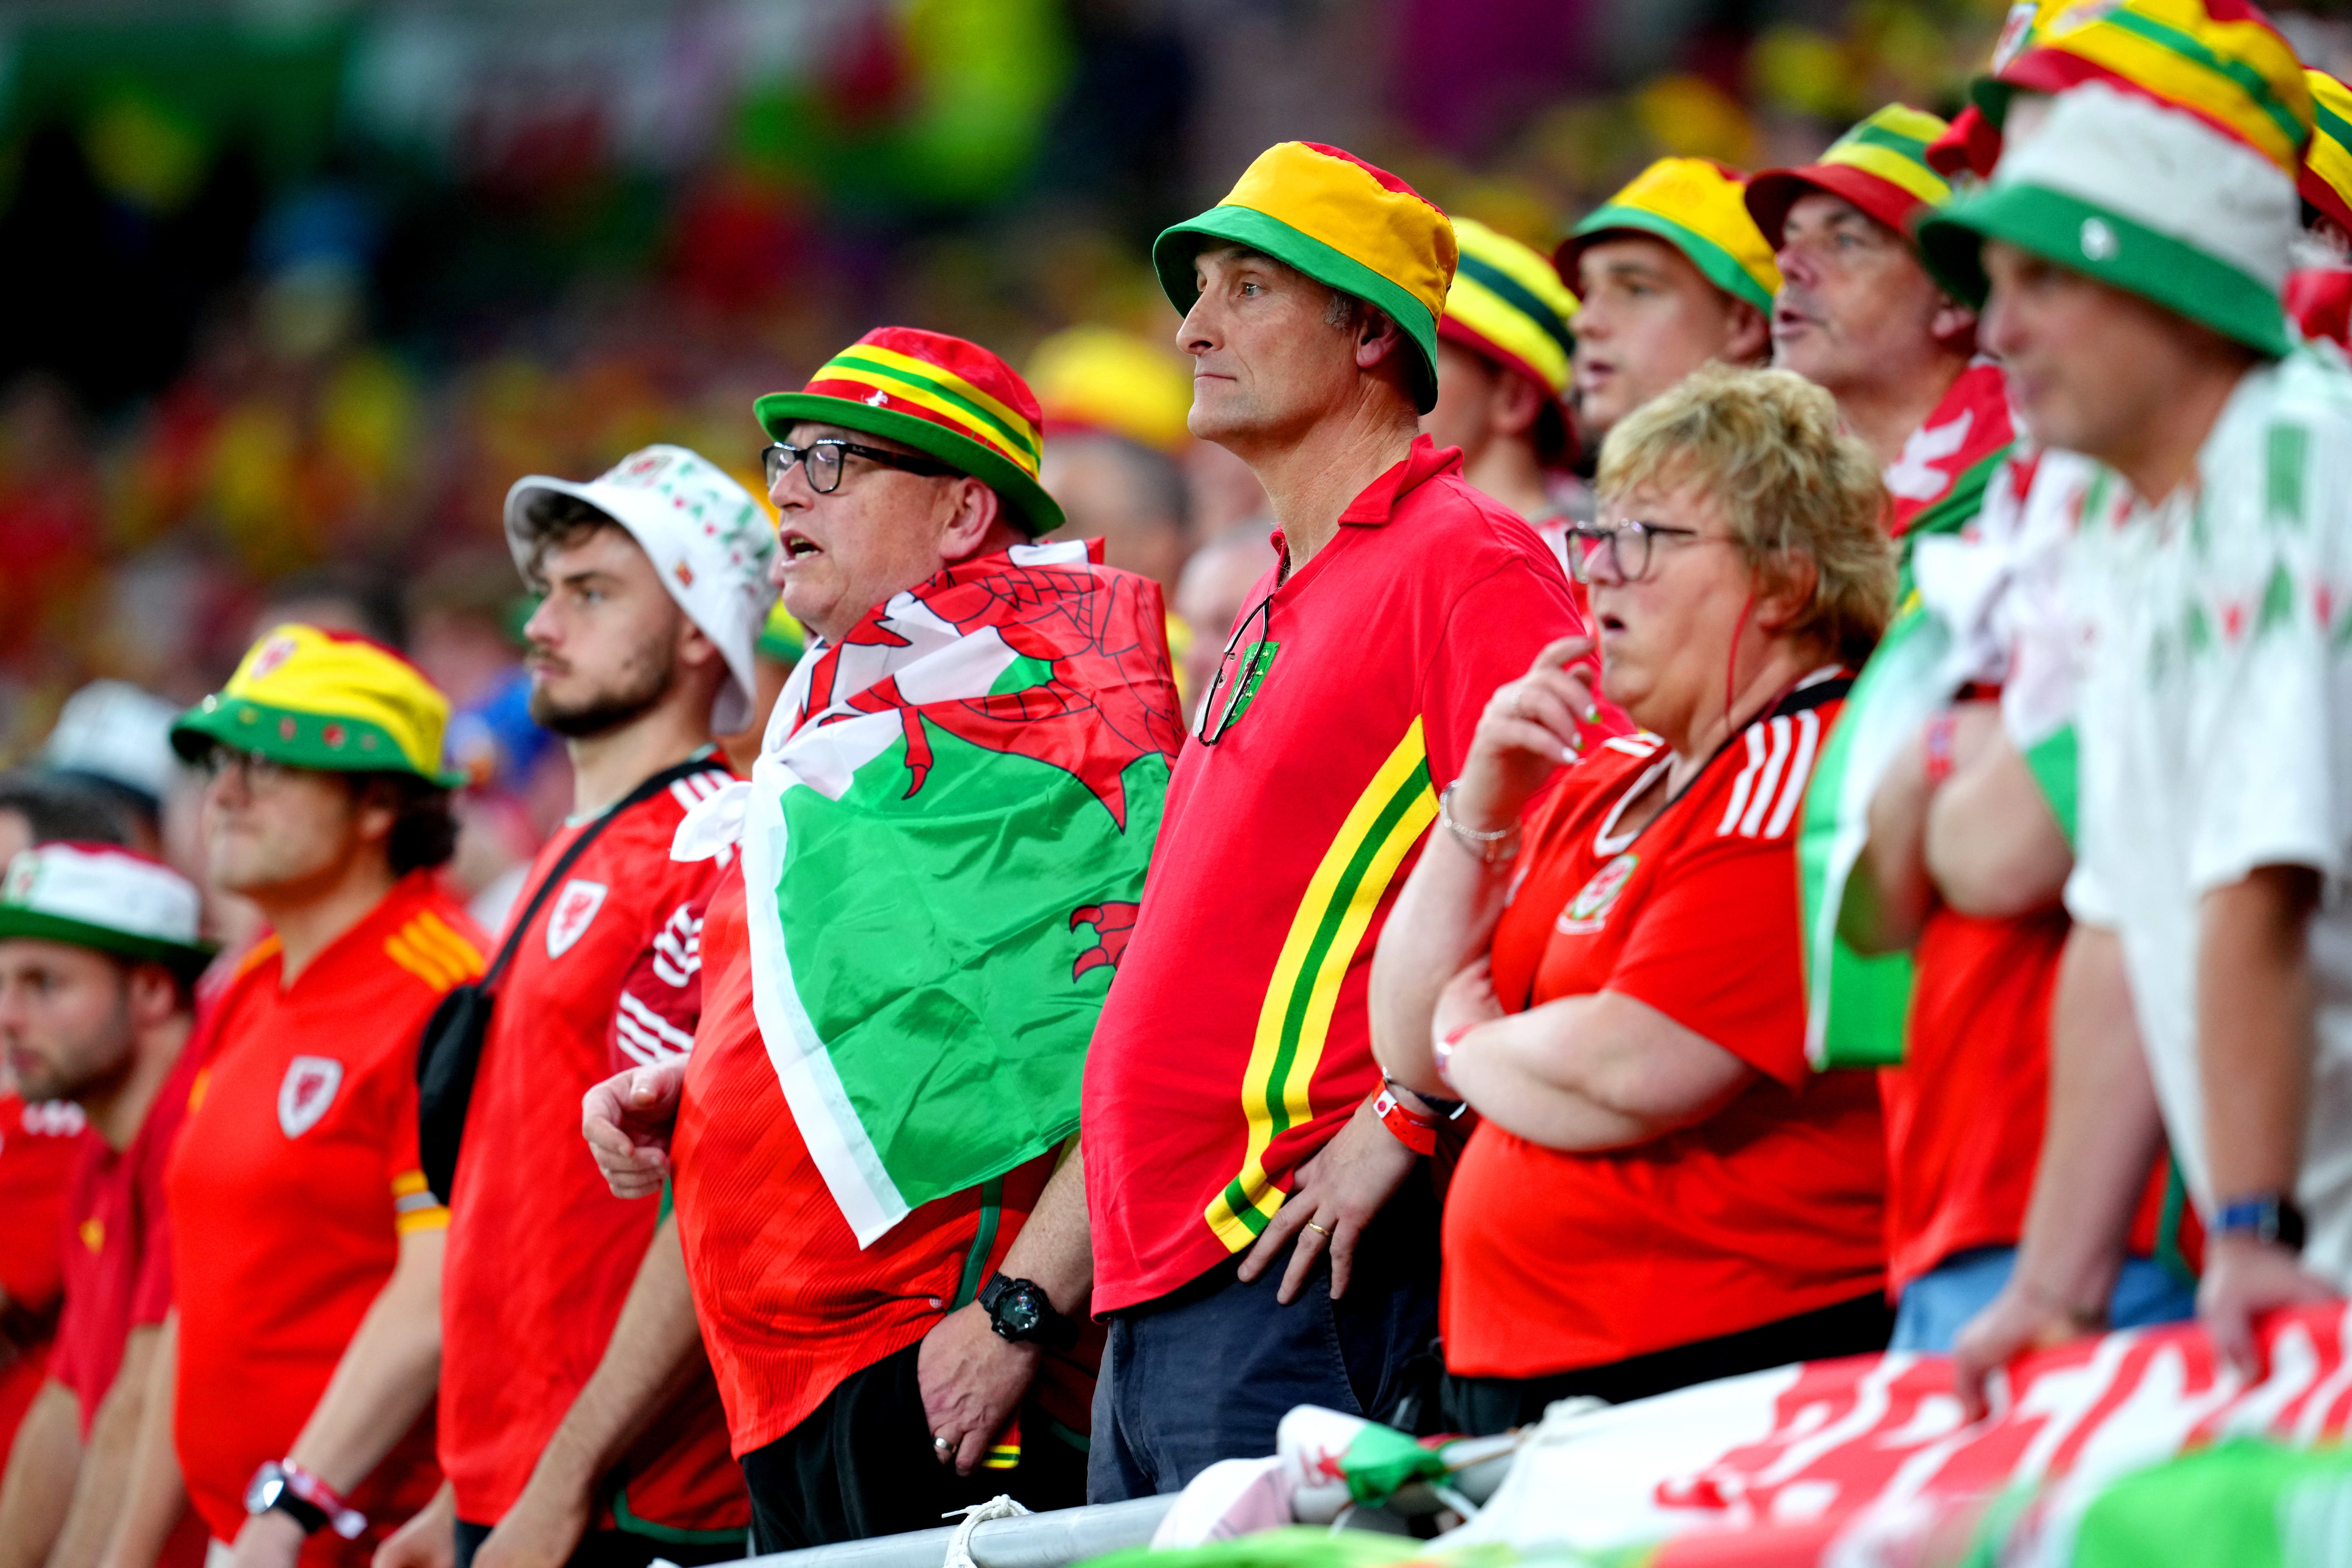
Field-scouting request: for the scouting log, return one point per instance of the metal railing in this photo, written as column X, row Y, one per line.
column 1071, row 1535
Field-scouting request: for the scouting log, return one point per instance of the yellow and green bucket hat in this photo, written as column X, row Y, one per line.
column 1880, row 165
column 1340, row 221
column 2325, row 180
column 1696, row 206
column 947, row 398
column 1507, row 304
column 1102, row 380
column 2221, row 61
column 326, row 700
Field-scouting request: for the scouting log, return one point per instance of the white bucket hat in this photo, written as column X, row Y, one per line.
column 97, row 896
column 705, row 536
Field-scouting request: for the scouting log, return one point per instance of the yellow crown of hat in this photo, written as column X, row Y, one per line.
column 2221, row 59
column 1698, row 206
column 2326, row 178
column 326, row 700
column 1508, row 303
column 1100, row 378
column 1340, row 221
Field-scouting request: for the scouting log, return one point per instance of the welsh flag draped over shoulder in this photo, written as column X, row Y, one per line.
column 944, row 841
column 1947, row 474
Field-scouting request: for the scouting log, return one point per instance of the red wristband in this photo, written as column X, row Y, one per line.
column 1416, row 1133
column 342, row 1518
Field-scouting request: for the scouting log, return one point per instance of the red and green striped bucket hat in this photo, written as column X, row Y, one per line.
column 947, row 398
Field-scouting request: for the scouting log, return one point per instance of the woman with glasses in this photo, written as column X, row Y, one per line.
column 1659, row 1190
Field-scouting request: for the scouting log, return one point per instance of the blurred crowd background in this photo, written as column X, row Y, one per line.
column 296, row 288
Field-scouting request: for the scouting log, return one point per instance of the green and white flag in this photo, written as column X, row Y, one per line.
column 1950, row 474
column 944, row 841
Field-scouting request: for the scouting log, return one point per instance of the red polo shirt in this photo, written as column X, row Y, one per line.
column 1235, row 1043
column 119, row 1244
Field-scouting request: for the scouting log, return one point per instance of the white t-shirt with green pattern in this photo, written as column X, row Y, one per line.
column 2214, row 713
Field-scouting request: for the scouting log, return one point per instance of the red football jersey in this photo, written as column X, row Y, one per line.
column 542, row 1255
column 789, row 1306
column 1769, row 1208
column 293, row 1180
column 39, row 1144
column 119, row 1244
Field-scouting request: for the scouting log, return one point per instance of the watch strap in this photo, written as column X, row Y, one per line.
column 2271, row 1217
column 301, row 1509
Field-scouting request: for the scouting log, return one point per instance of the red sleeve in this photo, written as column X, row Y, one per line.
column 1718, row 950
column 661, row 995
column 1493, row 632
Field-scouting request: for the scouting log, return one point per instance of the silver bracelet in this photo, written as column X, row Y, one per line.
column 1491, row 848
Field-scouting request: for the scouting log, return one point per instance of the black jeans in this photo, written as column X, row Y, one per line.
column 1481, row 1406
column 1207, row 1373
column 614, row 1549
column 861, row 1465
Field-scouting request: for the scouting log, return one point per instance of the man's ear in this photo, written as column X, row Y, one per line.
column 1953, row 326
column 152, row 994
column 1517, row 403
column 694, row 648
column 1377, row 337
column 1747, row 334
column 977, row 509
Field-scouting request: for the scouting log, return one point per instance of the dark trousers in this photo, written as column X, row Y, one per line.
column 1481, row 1406
column 861, row 1465
column 614, row 1549
column 1207, row 1372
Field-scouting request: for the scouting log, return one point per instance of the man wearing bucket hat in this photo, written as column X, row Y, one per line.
column 1859, row 315
column 99, row 957
column 306, row 1247
column 1671, row 274
column 577, row 1413
column 1114, row 405
column 1235, row 1127
column 2134, row 253
column 889, row 1272
column 1503, row 349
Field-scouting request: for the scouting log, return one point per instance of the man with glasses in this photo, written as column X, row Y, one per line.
column 578, row 1418
column 1264, row 1229
column 882, row 1219
column 306, row 1248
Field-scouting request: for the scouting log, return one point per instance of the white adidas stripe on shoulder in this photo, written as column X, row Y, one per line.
column 1771, row 783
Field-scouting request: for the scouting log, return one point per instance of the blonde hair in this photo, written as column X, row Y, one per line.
column 1766, row 445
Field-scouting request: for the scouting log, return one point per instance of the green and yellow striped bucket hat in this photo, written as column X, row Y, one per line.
column 2325, row 180
column 2221, row 61
column 947, row 398
column 1880, row 165
column 1340, row 221
column 1698, row 206
column 1507, row 304
column 325, row 700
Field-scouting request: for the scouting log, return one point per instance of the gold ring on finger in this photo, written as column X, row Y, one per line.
column 1318, row 1229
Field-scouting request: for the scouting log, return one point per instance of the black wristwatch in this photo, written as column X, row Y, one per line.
column 2271, row 1217
column 1018, row 1310
column 271, row 1490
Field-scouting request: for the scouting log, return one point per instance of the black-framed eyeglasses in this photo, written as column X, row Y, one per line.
column 1238, row 689
column 254, row 771
column 821, row 461
column 1629, row 546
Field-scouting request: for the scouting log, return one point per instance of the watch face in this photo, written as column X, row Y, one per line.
column 1020, row 1312
column 262, row 1495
